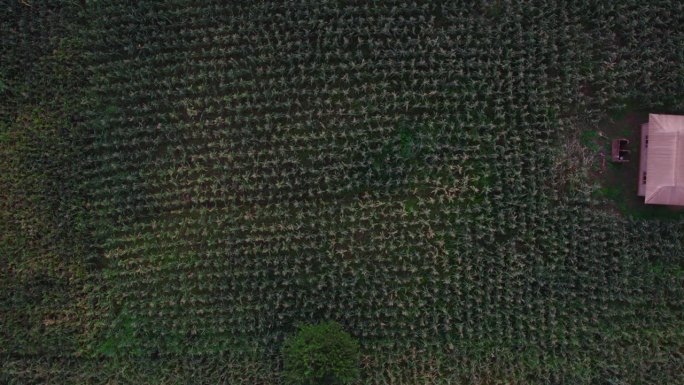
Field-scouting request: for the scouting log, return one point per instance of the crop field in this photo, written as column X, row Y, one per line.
column 186, row 182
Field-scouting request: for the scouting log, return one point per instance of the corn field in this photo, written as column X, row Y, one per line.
column 185, row 182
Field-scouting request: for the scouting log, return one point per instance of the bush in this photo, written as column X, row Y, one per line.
column 321, row 354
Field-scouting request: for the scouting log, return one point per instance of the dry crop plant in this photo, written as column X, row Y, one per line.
column 394, row 167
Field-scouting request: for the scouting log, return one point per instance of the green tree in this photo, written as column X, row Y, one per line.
column 321, row 354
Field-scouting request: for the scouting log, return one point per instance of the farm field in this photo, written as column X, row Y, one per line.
column 183, row 183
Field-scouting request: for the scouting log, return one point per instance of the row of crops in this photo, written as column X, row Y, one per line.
column 401, row 168
column 43, row 247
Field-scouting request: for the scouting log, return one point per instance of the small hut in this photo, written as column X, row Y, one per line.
column 661, row 166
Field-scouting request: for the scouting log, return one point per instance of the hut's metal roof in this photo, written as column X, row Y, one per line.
column 665, row 160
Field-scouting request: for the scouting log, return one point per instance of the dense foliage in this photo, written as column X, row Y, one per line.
column 44, row 243
column 185, row 181
column 320, row 354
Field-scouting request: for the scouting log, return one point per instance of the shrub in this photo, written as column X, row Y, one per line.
column 320, row 354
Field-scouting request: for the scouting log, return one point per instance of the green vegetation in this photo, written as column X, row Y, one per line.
column 589, row 138
column 321, row 354
column 183, row 182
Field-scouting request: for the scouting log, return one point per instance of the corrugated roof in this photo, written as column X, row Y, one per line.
column 643, row 161
column 665, row 157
